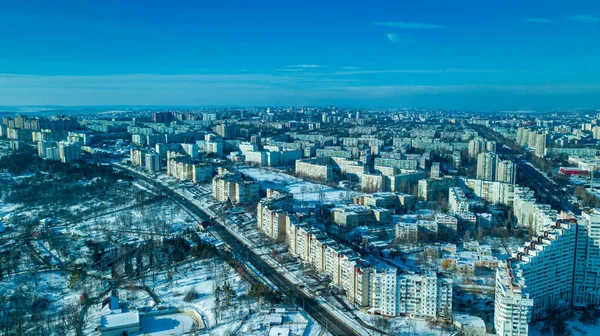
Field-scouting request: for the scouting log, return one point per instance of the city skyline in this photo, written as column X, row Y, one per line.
column 431, row 54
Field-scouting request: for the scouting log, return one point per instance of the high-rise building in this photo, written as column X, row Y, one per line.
column 233, row 187
column 435, row 169
column 541, row 142
column 557, row 270
column 506, row 171
column 69, row 151
column 272, row 213
column 456, row 160
column 152, row 162
column 486, row 166
column 476, row 146
column 227, row 131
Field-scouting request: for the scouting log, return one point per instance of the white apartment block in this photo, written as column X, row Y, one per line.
column 136, row 157
column 381, row 290
column 446, row 222
column 457, row 200
column 492, row 191
column 352, row 216
column 530, row 213
column 512, row 307
column 272, row 213
column 487, row 163
column 506, row 171
column 190, row 149
column 318, row 168
column 228, row 186
column 558, row 269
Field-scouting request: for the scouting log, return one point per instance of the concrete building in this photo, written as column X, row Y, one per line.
column 380, row 289
column 446, row 223
column 69, row 151
column 491, row 191
column 137, row 157
column 318, row 168
column 486, row 166
column 234, row 187
column 227, row 131
column 541, row 142
column 456, row 160
column 352, row 216
column 557, row 270
column 480, row 145
column 272, row 213
column 152, row 162
column 430, row 189
column 457, row 201
column 506, row 172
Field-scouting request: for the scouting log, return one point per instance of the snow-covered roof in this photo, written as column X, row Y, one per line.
column 279, row 331
column 119, row 320
column 464, row 320
column 274, row 319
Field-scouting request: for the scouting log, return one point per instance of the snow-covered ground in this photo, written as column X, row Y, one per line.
column 163, row 325
column 574, row 327
column 303, row 191
column 196, row 275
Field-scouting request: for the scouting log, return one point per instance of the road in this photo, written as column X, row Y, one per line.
column 315, row 309
column 548, row 192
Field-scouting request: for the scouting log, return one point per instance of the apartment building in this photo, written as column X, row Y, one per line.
column 152, row 162
column 435, row 170
column 512, row 307
column 446, row 223
column 352, row 216
column 318, row 168
column 486, row 166
column 381, row 289
column 457, row 201
column 480, row 145
column 506, row 172
column 137, row 157
column 531, row 214
column 234, row 187
column 491, row 191
column 429, row 189
column 67, row 151
column 557, row 270
column 272, row 213
column 399, row 203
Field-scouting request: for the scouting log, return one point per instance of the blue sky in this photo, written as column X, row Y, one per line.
column 442, row 54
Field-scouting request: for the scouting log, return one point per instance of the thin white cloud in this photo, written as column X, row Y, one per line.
column 412, row 71
column 584, row 18
column 537, row 20
column 252, row 89
column 409, row 25
column 395, row 38
column 304, row 66
column 349, row 68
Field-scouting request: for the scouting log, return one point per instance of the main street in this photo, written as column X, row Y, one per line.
column 312, row 306
column 545, row 189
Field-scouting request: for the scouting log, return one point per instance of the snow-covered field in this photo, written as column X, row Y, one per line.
column 303, row 191
column 197, row 275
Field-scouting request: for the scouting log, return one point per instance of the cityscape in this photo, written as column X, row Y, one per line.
column 314, row 168
column 299, row 221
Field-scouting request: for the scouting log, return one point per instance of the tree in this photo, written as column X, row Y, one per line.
column 447, row 264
